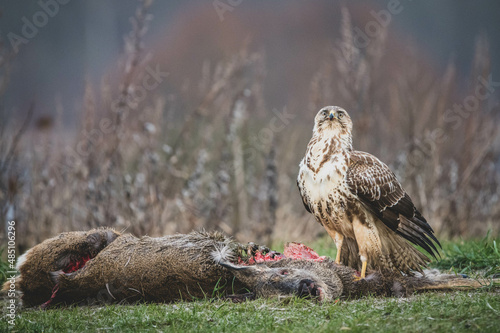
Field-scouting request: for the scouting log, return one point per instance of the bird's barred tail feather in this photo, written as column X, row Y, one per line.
column 397, row 255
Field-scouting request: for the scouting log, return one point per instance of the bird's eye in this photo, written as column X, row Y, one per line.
column 340, row 115
column 324, row 112
column 284, row 272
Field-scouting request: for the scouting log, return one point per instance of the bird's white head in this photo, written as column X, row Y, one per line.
column 334, row 121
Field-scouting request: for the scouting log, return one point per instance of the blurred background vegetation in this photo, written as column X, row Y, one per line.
column 164, row 117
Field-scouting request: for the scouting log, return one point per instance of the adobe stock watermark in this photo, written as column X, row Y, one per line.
column 264, row 137
column 257, row 145
column 31, row 26
column 223, row 6
column 373, row 28
column 454, row 117
column 483, row 90
column 150, row 80
column 11, row 274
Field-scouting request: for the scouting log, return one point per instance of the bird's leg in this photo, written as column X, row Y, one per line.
column 363, row 268
column 364, row 261
column 338, row 239
column 366, row 237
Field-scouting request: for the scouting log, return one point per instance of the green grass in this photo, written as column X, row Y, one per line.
column 458, row 311
column 4, row 267
column 471, row 256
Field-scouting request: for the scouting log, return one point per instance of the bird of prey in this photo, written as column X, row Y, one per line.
column 360, row 202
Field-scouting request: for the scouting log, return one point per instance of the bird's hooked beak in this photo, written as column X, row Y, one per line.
column 332, row 115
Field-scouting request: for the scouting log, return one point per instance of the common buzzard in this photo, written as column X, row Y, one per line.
column 359, row 201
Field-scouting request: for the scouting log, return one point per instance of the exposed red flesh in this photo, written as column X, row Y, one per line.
column 73, row 266
column 292, row 250
column 300, row 251
column 76, row 265
column 54, row 293
column 271, row 256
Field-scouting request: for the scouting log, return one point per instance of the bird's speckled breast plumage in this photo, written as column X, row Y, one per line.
column 322, row 181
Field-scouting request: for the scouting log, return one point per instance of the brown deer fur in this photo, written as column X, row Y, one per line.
column 187, row 267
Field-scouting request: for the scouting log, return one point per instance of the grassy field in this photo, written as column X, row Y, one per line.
column 458, row 311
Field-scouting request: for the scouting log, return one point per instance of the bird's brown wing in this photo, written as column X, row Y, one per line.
column 303, row 193
column 381, row 193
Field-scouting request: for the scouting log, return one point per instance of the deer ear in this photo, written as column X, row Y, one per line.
column 249, row 275
column 247, row 269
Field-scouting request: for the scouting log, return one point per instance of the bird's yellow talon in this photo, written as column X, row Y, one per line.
column 363, row 270
column 337, row 258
